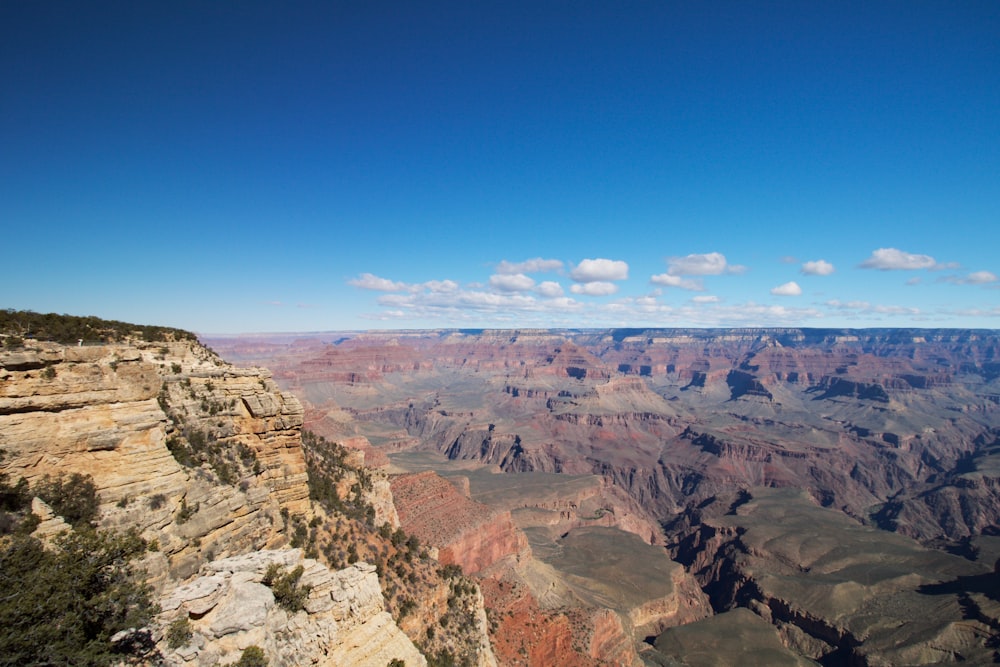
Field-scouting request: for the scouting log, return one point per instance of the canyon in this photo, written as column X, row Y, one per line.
column 544, row 497
column 828, row 496
column 206, row 462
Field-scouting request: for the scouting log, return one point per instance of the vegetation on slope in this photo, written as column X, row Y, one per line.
column 16, row 326
column 411, row 580
column 77, row 601
column 194, row 441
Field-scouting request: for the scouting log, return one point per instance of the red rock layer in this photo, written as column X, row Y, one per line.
column 465, row 532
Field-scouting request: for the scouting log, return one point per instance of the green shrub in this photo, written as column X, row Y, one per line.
column 69, row 329
column 179, row 633
column 186, row 512
column 74, row 499
column 285, row 586
column 71, row 600
column 252, row 656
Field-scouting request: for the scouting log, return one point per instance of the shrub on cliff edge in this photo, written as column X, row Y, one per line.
column 76, row 604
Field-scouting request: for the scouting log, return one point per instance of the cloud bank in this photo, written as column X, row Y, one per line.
column 589, row 293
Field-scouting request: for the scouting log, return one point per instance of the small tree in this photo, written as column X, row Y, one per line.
column 74, row 601
column 179, row 633
column 74, row 499
column 285, row 586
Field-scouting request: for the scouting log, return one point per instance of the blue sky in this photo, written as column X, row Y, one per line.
column 307, row 166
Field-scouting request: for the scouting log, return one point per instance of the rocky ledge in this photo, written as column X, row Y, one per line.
column 229, row 606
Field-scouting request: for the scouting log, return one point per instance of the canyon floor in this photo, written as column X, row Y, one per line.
column 686, row 497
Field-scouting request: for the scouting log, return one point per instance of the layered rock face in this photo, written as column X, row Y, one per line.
column 343, row 620
column 465, row 532
column 836, row 590
column 550, row 608
column 890, row 428
column 674, row 417
column 206, row 460
column 99, row 410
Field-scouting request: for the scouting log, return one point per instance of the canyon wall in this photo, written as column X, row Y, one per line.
column 668, row 434
column 206, row 461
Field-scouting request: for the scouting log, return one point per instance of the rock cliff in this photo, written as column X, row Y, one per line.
column 836, row 590
column 229, row 607
column 890, row 428
column 465, row 532
column 206, row 461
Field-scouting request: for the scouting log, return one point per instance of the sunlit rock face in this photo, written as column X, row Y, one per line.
column 205, row 459
column 342, row 622
column 110, row 411
column 465, row 532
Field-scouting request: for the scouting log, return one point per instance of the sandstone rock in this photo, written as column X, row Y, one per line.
column 465, row 532
column 244, row 607
column 198, row 597
column 868, row 595
column 50, row 525
column 344, row 617
column 99, row 414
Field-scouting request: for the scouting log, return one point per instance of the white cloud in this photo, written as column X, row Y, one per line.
column 820, row 267
column 437, row 286
column 709, row 264
column 536, row 265
column 549, row 289
column 511, row 282
column 373, row 282
column 974, row 278
column 668, row 280
column 892, row 259
column 788, row 289
column 705, row 299
column 981, row 278
column 603, row 270
column 594, row 288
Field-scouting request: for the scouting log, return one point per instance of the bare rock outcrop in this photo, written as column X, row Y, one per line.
column 465, row 532
column 113, row 411
column 835, row 589
column 229, row 607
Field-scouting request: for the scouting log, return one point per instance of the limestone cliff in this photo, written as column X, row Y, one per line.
column 111, row 411
column 206, row 460
column 343, row 620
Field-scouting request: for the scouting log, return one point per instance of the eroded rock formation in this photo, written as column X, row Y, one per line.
column 206, row 461
column 230, row 606
column 466, row 533
column 890, row 428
